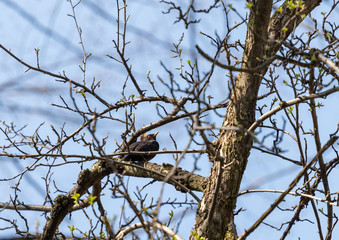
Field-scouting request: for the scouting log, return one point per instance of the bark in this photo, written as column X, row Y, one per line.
column 215, row 218
column 64, row 203
column 182, row 180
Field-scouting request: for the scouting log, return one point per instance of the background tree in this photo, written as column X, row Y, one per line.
column 214, row 93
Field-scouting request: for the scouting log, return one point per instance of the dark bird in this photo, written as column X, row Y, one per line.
column 147, row 143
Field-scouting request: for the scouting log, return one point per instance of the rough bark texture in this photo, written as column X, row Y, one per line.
column 64, row 203
column 235, row 146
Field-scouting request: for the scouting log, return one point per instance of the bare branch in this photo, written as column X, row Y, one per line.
column 156, row 225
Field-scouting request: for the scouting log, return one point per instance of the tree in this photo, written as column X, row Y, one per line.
column 277, row 79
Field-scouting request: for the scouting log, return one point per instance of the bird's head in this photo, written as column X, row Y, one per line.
column 148, row 137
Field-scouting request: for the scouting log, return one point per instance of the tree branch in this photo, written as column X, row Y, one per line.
column 156, row 225
column 329, row 143
column 283, row 105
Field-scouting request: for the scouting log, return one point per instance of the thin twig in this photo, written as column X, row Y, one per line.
column 329, row 143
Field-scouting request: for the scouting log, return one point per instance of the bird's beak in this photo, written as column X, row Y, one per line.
column 155, row 134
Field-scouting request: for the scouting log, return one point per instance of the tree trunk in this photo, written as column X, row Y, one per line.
column 215, row 219
column 234, row 146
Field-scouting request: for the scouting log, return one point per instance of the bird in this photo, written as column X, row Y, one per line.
column 147, row 143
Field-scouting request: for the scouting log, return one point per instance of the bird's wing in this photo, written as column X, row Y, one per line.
column 147, row 146
column 133, row 146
